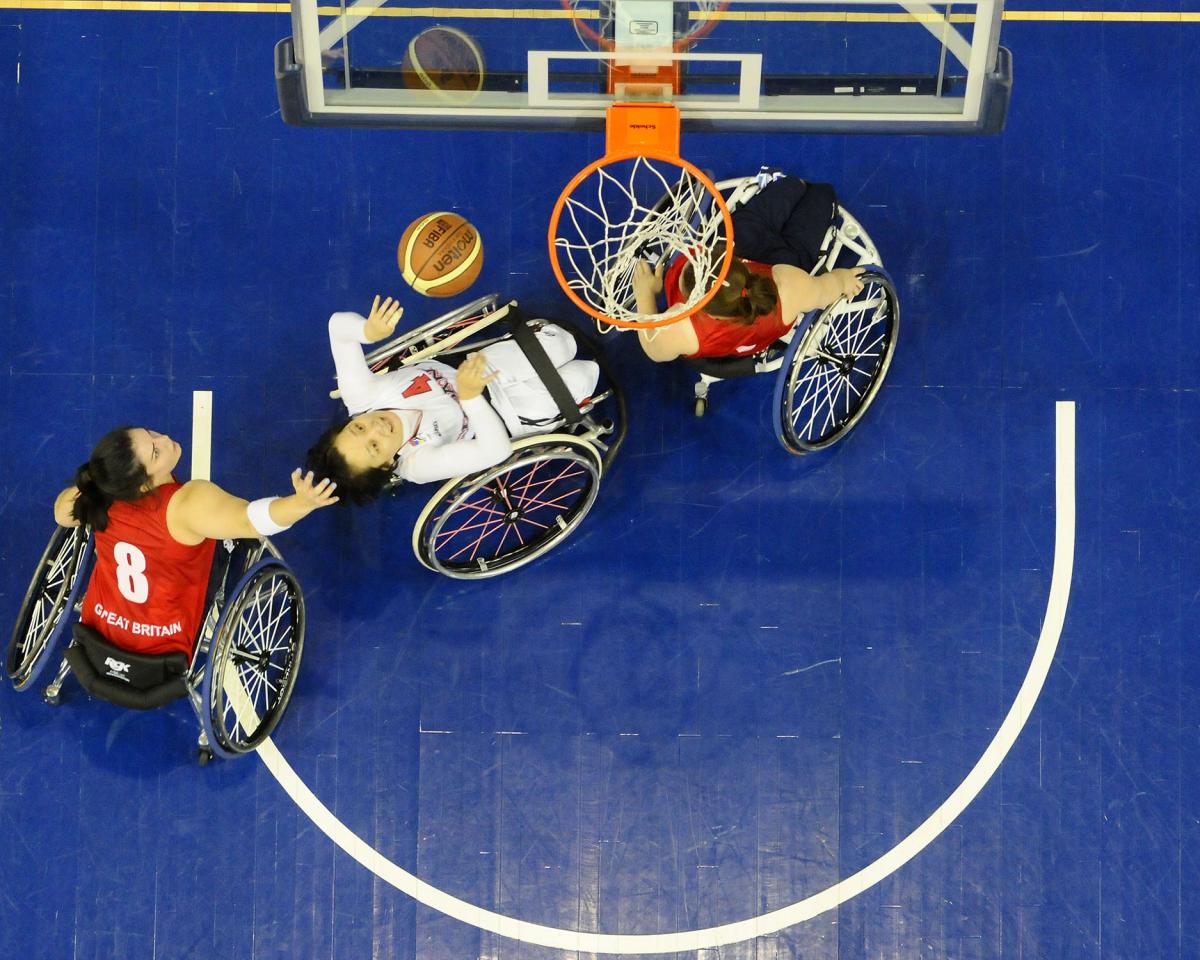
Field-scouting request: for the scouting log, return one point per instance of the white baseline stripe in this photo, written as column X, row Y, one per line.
column 767, row 923
column 202, row 434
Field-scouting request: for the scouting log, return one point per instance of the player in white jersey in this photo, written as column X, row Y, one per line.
column 429, row 421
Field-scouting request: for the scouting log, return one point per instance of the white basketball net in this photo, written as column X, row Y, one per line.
column 642, row 208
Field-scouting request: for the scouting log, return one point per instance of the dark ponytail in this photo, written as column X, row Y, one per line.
column 742, row 298
column 113, row 472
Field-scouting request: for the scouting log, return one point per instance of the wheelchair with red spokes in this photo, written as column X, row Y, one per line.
column 497, row 520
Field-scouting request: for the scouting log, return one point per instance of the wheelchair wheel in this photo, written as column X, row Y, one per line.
column 53, row 591
column 500, row 519
column 836, row 365
column 254, row 659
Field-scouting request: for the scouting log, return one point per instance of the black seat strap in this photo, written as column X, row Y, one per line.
column 536, row 354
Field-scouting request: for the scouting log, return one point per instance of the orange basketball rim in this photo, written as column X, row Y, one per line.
column 640, row 201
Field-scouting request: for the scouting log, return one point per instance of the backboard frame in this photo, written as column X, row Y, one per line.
column 830, row 104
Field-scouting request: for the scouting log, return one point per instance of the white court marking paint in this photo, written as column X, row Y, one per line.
column 828, row 899
column 201, row 435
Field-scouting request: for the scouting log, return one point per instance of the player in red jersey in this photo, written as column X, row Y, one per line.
column 755, row 306
column 154, row 537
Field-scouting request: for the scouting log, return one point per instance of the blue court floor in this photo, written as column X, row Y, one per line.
column 748, row 677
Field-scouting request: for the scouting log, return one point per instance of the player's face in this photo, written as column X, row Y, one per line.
column 371, row 440
column 157, row 452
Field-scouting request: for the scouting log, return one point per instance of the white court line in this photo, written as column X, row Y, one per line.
column 767, row 923
column 202, row 470
column 201, row 435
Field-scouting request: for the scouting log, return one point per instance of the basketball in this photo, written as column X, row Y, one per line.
column 445, row 60
column 440, row 254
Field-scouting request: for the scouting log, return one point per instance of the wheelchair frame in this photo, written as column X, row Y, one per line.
column 827, row 345
column 535, row 499
column 844, row 233
column 243, row 630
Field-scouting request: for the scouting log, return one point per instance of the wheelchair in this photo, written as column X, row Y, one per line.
column 497, row 520
column 243, row 667
column 830, row 365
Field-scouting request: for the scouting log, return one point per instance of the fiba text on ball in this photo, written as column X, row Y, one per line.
column 459, row 247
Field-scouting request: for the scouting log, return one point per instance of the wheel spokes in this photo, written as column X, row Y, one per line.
column 48, row 605
column 831, row 383
column 512, row 513
column 259, row 659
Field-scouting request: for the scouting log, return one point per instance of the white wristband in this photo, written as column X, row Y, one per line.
column 259, row 514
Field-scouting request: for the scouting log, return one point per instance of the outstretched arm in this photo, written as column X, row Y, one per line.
column 805, row 292
column 348, row 332
column 660, row 344
column 203, row 511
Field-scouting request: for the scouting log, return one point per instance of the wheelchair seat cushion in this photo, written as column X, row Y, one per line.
column 138, row 681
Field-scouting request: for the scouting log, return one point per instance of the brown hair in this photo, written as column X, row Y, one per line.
column 742, row 298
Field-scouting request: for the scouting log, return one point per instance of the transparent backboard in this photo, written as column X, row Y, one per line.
column 728, row 64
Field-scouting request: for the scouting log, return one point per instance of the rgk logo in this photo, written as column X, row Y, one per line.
column 117, row 668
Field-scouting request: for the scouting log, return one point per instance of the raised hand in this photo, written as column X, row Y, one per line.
column 382, row 320
column 646, row 280
column 472, row 377
column 311, row 495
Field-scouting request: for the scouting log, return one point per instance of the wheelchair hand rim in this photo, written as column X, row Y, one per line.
column 218, row 740
column 78, row 541
column 430, row 524
column 817, row 323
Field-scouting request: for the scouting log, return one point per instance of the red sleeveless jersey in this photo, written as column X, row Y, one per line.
column 721, row 337
column 147, row 590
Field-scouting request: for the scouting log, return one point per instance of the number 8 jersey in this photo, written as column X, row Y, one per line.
column 147, row 591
